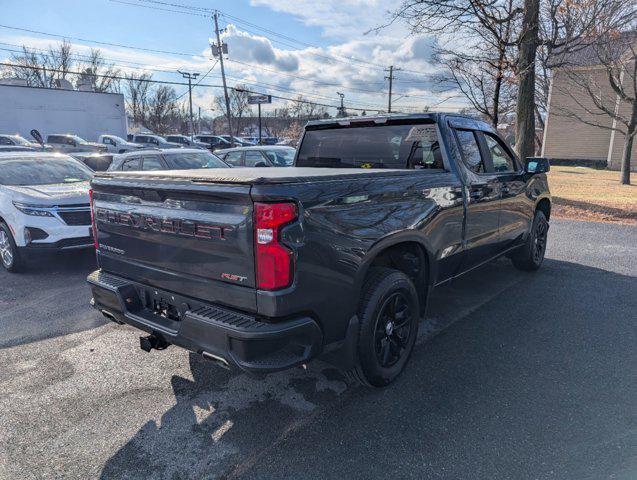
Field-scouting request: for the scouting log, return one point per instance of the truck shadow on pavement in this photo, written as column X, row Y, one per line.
column 531, row 379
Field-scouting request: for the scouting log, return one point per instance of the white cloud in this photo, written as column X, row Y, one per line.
column 252, row 48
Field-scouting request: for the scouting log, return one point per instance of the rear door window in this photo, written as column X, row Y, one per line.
column 234, row 158
column 152, row 162
column 252, row 159
column 131, row 164
column 470, row 151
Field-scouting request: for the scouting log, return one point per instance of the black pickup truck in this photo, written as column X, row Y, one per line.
column 263, row 269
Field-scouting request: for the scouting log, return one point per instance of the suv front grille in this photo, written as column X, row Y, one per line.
column 81, row 217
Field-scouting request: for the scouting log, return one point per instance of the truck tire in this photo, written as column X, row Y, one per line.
column 388, row 327
column 531, row 255
column 9, row 254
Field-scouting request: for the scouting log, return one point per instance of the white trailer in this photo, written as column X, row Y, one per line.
column 52, row 110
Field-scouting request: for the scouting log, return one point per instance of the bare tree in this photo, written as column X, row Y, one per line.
column 137, row 96
column 484, row 79
column 100, row 75
column 566, row 29
column 480, row 19
column 607, row 88
column 162, row 109
column 239, row 107
column 303, row 109
column 43, row 68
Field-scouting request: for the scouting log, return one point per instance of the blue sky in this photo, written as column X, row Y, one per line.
column 325, row 49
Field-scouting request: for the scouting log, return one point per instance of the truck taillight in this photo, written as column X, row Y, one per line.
column 273, row 261
column 93, row 224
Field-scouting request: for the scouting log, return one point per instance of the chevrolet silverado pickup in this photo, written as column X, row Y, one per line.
column 263, row 269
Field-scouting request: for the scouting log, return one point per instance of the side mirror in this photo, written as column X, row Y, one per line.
column 537, row 165
column 261, row 164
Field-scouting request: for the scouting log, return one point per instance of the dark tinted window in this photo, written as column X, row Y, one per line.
column 470, row 151
column 502, row 160
column 42, row 171
column 152, row 162
column 383, row 146
column 55, row 139
column 131, row 164
column 234, row 159
column 190, row 160
column 5, row 141
column 252, row 159
column 283, row 157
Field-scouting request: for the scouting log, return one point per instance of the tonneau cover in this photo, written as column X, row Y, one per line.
column 257, row 175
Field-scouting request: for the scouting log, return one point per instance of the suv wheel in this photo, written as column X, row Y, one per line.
column 9, row 254
column 531, row 254
column 388, row 319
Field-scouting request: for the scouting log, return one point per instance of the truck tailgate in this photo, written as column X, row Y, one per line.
column 179, row 236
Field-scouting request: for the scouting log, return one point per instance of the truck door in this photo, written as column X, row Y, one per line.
column 483, row 206
column 515, row 208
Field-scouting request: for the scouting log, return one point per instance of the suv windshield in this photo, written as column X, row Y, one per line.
column 190, row 160
column 372, row 146
column 42, row 171
column 20, row 140
column 283, row 157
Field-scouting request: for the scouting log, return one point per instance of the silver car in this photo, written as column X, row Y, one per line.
column 72, row 143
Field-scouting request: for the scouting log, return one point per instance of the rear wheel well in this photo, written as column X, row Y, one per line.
column 411, row 259
column 544, row 206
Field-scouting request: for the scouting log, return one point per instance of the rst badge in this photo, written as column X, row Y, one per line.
column 233, row 277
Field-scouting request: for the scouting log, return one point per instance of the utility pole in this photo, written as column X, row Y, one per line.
column 190, row 77
column 341, row 110
column 220, row 51
column 391, row 81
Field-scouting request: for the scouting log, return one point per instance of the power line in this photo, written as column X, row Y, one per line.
column 165, row 82
column 97, row 42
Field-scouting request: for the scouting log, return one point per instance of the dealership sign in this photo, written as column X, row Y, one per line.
column 259, row 99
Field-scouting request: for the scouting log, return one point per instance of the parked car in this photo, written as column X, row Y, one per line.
column 98, row 162
column 44, row 206
column 213, row 142
column 115, row 144
column 274, row 156
column 15, row 148
column 19, row 141
column 72, row 143
column 237, row 141
column 289, row 142
column 171, row 159
column 185, row 141
column 154, row 141
column 266, row 269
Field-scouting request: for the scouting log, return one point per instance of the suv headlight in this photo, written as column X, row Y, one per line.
column 33, row 210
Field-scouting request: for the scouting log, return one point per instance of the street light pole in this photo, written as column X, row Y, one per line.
column 190, row 77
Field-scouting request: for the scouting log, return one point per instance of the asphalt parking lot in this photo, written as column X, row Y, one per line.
column 515, row 376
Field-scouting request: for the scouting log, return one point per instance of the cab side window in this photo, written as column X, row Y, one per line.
column 470, row 151
column 502, row 160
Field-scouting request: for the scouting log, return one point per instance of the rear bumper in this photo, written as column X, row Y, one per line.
column 240, row 340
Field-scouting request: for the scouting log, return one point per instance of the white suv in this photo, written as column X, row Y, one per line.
column 44, row 205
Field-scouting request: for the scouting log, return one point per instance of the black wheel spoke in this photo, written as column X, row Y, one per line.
column 393, row 329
